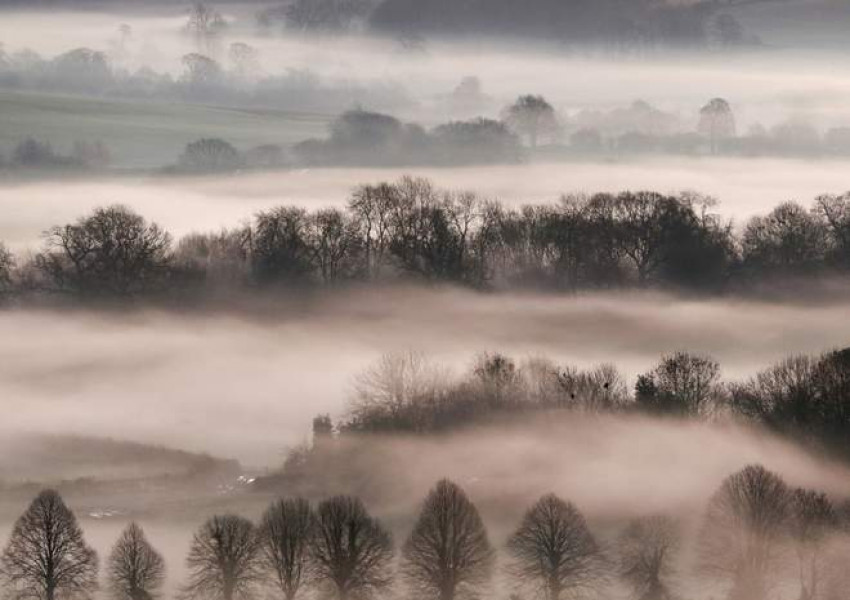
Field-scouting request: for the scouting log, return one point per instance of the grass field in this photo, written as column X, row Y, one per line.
column 144, row 134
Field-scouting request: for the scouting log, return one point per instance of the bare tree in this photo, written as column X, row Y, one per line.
column 371, row 208
column 332, row 241
column 396, row 393
column 682, row 383
column 553, row 550
column 744, row 524
column 448, row 554
column 532, row 116
column 647, row 549
column 224, row 560
column 279, row 247
column 787, row 240
column 200, row 71
column 717, row 122
column 245, row 60
column 352, row 550
column 112, row 252
column 209, row 155
column 136, row 570
column 204, row 24
column 813, row 520
column 7, row 264
column 286, row 532
column 47, row 557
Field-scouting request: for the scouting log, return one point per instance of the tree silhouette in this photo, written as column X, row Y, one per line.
column 352, row 550
column 682, row 383
column 224, row 560
column 553, row 551
column 113, row 252
column 532, row 116
column 813, row 519
column 745, row 521
column 286, row 532
column 716, row 122
column 646, row 550
column 204, row 24
column 46, row 557
column 135, row 569
column 209, row 155
column 448, row 554
column 7, row 264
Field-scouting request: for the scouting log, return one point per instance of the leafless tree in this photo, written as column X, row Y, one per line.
column 717, row 122
column 600, row 389
column 371, row 208
column 642, row 230
column 7, row 264
column 392, row 391
column 200, row 71
column 789, row 239
column 224, row 560
column 136, row 570
column 448, row 554
column 745, row 521
column 47, row 557
column 647, row 549
column 204, row 24
column 332, row 241
column 245, row 61
column 209, row 155
column 553, row 550
column 352, row 550
column 813, row 519
column 112, row 252
column 286, row 532
column 532, row 116
column 682, row 383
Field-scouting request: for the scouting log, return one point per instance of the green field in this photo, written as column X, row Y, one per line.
column 144, row 134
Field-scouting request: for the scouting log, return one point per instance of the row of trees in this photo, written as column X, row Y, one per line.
column 635, row 27
column 410, row 230
column 802, row 397
column 361, row 138
column 31, row 153
column 231, row 75
column 341, row 551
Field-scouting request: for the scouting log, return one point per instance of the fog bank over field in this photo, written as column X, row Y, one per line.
column 743, row 187
column 765, row 84
column 247, row 387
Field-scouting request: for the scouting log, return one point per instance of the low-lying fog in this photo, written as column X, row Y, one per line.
column 743, row 187
column 247, row 388
column 777, row 81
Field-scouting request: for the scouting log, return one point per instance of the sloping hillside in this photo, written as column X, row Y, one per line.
column 144, row 134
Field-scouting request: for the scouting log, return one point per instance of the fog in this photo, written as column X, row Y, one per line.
column 170, row 411
column 785, row 78
column 743, row 188
column 247, row 388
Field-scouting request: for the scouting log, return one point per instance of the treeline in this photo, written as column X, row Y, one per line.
column 753, row 526
column 638, row 26
column 31, row 153
column 413, row 231
column 802, row 397
column 228, row 74
column 361, row 138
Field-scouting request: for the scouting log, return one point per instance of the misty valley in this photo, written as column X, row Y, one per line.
column 424, row 300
